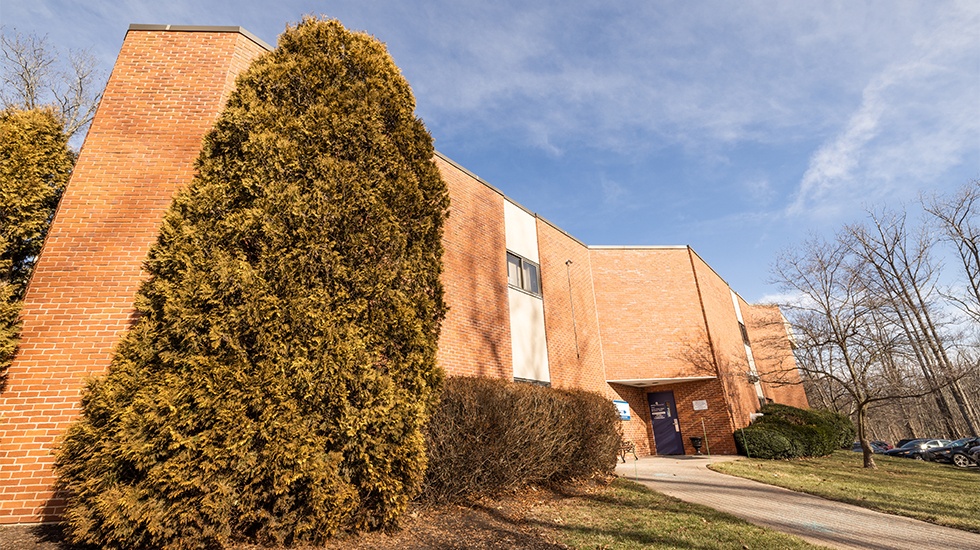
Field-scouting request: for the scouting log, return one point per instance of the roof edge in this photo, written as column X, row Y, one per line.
column 201, row 28
column 490, row 186
column 638, row 247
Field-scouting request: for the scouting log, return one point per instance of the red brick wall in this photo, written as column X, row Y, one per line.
column 773, row 355
column 717, row 418
column 665, row 313
column 574, row 349
column 726, row 339
column 657, row 309
column 648, row 311
column 475, row 339
column 165, row 91
column 637, row 429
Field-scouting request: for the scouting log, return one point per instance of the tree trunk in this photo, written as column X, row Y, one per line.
column 869, row 459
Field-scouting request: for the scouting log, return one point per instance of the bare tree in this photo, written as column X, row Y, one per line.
column 32, row 75
column 843, row 343
column 901, row 272
column 958, row 217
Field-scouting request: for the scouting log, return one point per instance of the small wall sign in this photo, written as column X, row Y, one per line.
column 624, row 409
column 701, row 405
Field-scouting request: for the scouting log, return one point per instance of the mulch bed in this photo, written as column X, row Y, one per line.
column 483, row 524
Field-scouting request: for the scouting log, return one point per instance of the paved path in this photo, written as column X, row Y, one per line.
column 815, row 519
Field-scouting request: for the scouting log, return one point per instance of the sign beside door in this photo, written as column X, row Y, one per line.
column 623, row 407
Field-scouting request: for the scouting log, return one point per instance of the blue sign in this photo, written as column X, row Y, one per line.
column 624, row 409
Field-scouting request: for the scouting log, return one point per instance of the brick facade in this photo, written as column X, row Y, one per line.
column 648, row 311
column 655, row 314
column 774, row 355
column 726, row 340
column 165, row 92
column 571, row 321
column 475, row 339
column 665, row 314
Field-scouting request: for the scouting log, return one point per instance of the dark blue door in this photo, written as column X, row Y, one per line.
column 666, row 429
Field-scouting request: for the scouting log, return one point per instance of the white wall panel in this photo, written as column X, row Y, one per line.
column 527, row 337
column 521, row 231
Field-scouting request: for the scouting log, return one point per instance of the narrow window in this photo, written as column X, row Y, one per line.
column 530, row 278
column 513, row 270
column 523, row 274
column 745, row 333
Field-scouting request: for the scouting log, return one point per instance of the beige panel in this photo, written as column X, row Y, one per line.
column 738, row 310
column 530, row 350
column 522, row 232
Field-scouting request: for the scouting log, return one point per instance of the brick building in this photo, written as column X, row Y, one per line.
column 654, row 328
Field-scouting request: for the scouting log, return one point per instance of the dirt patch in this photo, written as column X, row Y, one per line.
column 483, row 524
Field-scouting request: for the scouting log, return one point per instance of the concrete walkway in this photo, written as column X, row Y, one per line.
column 815, row 519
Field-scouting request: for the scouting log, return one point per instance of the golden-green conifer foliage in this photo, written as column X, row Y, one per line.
column 35, row 164
column 277, row 381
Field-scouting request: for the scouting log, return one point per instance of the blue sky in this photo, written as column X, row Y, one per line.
column 736, row 127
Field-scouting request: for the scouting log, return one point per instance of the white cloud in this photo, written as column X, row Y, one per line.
column 640, row 76
column 613, row 194
column 917, row 117
column 759, row 189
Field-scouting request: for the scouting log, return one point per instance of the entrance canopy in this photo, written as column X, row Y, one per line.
column 646, row 382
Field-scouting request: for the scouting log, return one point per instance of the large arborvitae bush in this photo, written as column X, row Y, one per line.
column 277, row 382
column 35, row 164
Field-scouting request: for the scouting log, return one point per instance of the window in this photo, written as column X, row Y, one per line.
column 532, row 382
column 745, row 333
column 523, row 274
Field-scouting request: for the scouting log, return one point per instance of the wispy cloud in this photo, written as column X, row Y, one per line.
column 613, row 194
column 917, row 117
column 738, row 125
column 642, row 75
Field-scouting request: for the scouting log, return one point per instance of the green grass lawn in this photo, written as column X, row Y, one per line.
column 937, row 493
column 628, row 515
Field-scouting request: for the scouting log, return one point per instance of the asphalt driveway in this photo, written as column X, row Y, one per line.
column 815, row 519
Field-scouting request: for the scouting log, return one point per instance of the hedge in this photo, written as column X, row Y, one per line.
column 488, row 436
column 789, row 432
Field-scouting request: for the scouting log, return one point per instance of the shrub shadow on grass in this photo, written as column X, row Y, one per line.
column 627, row 514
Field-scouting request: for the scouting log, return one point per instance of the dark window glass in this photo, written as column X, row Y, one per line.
column 745, row 333
column 513, row 270
column 530, row 278
column 523, row 274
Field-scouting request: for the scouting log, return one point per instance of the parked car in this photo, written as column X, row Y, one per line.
column 884, row 445
column 875, row 447
column 915, row 448
column 957, row 452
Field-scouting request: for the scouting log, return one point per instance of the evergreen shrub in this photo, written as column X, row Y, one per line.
column 489, row 436
column 761, row 442
column 789, row 432
column 275, row 386
column 35, row 164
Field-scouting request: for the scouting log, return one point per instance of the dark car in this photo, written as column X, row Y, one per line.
column 957, row 452
column 883, row 444
column 915, row 448
column 875, row 447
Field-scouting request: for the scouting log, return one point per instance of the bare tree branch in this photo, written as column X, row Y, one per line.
column 958, row 218
column 33, row 75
